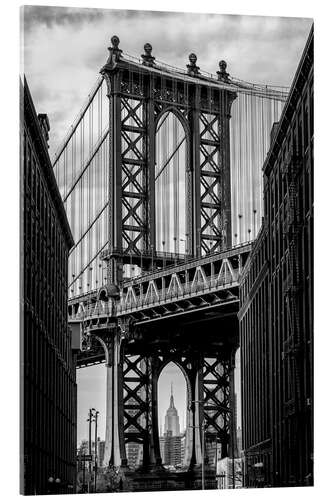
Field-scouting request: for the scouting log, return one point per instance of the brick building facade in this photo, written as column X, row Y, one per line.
column 48, row 381
column 276, row 294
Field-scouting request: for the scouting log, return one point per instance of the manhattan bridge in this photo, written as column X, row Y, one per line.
column 160, row 175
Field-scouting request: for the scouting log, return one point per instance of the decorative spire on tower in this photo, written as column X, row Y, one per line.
column 172, row 403
column 222, row 75
column 192, row 68
column 171, row 417
column 115, row 52
column 147, row 58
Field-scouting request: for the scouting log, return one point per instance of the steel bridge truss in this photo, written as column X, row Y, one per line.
column 123, row 333
column 201, row 284
column 135, row 360
column 138, row 99
column 106, row 166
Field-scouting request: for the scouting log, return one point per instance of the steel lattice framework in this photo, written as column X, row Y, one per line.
column 116, row 165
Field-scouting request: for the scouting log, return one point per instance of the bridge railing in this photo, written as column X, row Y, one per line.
column 160, row 297
column 187, row 290
column 99, row 308
column 189, row 261
column 185, row 281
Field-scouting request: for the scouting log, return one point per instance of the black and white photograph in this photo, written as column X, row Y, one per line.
column 166, row 250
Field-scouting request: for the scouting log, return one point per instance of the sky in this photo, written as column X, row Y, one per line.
column 63, row 51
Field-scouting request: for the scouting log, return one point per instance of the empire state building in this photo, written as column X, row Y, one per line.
column 170, row 442
column 171, row 425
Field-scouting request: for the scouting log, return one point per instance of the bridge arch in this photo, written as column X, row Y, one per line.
column 172, row 182
column 186, row 434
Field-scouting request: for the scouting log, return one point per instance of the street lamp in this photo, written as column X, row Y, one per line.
column 95, row 476
column 89, row 419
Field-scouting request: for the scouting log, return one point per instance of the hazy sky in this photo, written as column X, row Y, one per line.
column 64, row 48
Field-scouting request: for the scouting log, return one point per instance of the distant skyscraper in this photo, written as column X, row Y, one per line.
column 170, row 443
column 100, row 452
column 172, row 418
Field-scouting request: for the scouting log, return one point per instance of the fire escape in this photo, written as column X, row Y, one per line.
column 291, row 288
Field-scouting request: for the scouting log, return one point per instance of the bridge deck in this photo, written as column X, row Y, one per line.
column 200, row 283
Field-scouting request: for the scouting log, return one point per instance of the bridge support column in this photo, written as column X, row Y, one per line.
column 149, row 420
column 193, row 446
column 155, row 455
column 233, row 416
column 114, row 444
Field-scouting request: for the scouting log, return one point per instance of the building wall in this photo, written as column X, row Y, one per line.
column 276, row 315
column 255, row 360
column 48, row 425
column 101, row 452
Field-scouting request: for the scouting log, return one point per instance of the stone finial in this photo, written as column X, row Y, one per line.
column 222, row 75
column 114, row 50
column 192, row 68
column 147, row 58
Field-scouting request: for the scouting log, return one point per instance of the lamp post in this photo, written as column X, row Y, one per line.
column 89, row 419
column 95, row 476
column 203, row 457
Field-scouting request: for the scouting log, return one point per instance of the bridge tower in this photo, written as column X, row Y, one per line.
column 149, row 101
column 150, row 105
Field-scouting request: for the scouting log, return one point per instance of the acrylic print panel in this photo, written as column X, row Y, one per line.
column 167, row 267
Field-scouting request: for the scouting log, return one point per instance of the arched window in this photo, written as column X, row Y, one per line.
column 170, row 185
column 173, row 418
